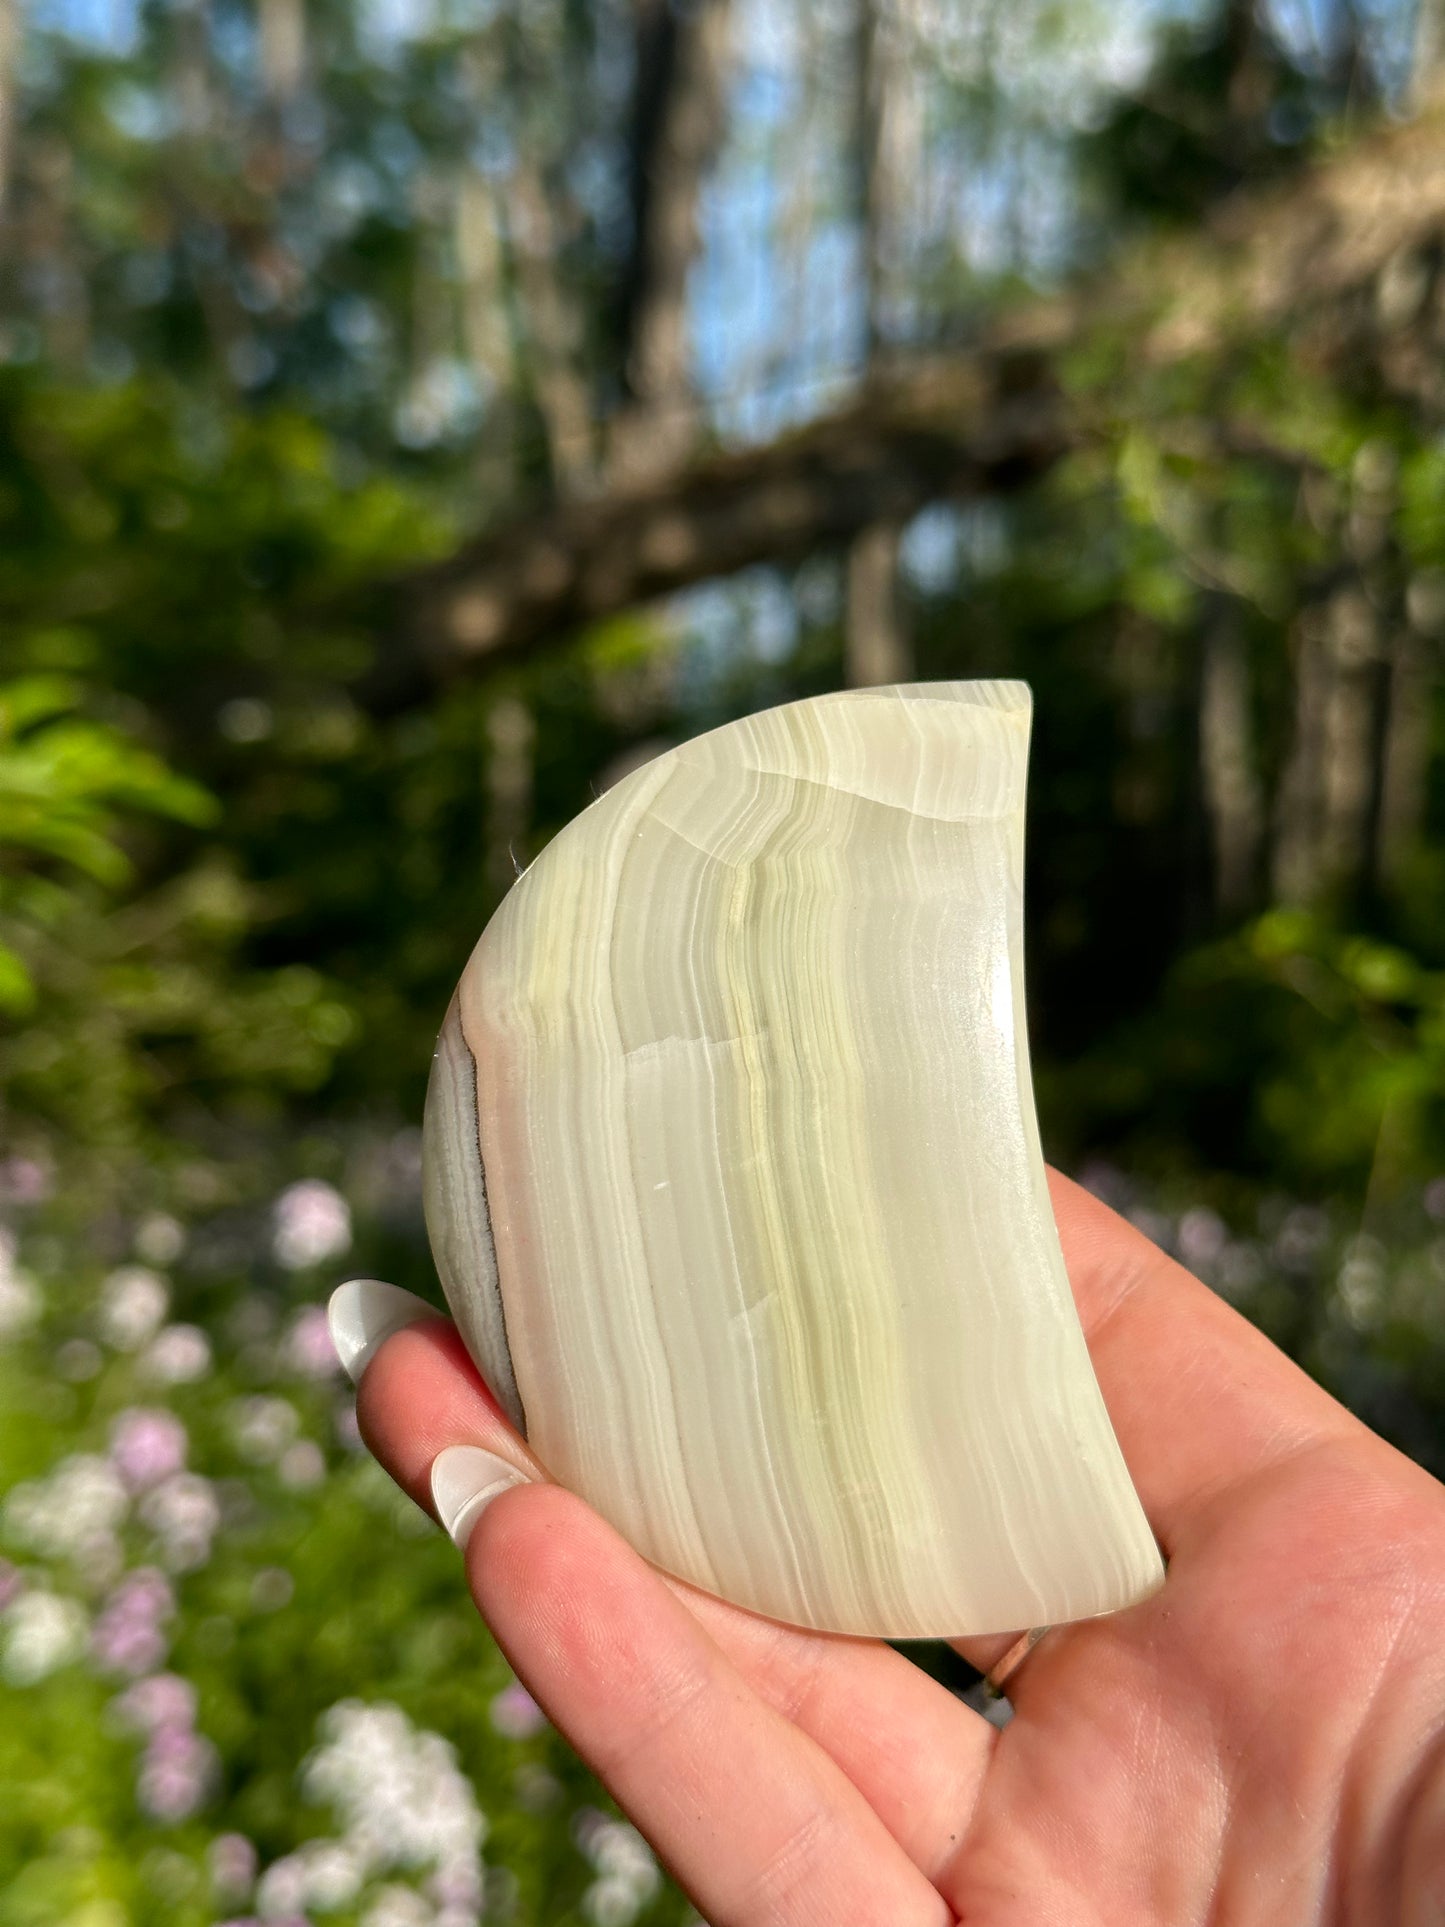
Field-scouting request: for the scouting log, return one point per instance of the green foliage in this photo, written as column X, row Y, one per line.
column 238, row 879
column 65, row 784
column 297, row 1580
column 206, row 563
column 1224, row 106
column 1289, row 1049
column 1351, row 1071
column 62, row 778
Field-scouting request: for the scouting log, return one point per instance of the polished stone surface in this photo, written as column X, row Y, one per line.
column 735, row 1187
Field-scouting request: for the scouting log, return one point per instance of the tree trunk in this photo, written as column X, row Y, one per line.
column 191, row 69
column 282, row 28
column 1298, row 811
column 1428, row 51
column 49, row 238
column 1228, row 776
column 1249, row 87
column 679, row 118
column 1323, row 827
column 511, row 736
column 479, row 264
column 11, row 29
column 485, row 329
column 1350, row 742
column 877, row 646
column 1404, row 757
column 553, row 335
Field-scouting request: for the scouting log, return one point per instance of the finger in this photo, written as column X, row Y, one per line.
column 756, row 1822
column 915, row 1752
column 421, row 1393
column 1201, row 1401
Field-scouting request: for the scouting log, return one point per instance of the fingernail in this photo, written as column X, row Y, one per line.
column 464, row 1481
column 363, row 1314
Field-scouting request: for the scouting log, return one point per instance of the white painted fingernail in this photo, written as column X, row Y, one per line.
column 363, row 1314
column 464, row 1481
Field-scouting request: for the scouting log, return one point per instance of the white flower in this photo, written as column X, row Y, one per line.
column 333, row 1875
column 302, row 1467
column 324, row 1875
column 179, row 1355
column 398, row 1794
column 1362, row 1280
column 628, row 1875
column 66, row 1515
column 281, row 1890
column 397, row 1906
column 43, row 1632
column 1202, row 1236
column 611, row 1902
column 133, row 1304
column 183, row 1513
column 160, row 1238
column 262, row 1428
column 312, row 1224
column 621, row 1851
column 21, row 1302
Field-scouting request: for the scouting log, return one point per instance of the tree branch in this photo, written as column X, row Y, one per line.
column 1287, row 262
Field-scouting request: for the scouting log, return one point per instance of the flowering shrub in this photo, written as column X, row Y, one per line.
column 240, row 1681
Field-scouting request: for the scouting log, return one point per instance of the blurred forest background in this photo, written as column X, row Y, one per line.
column 413, row 413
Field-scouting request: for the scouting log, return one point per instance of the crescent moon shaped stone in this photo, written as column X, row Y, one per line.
column 734, row 1183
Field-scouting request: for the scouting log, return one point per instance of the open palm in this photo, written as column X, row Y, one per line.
column 1261, row 1741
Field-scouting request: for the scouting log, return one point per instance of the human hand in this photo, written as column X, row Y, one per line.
column 1262, row 1741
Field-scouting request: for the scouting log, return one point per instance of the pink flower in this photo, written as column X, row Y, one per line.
column 312, row 1224
column 515, row 1714
column 179, row 1773
column 24, row 1181
column 184, row 1514
column 127, row 1637
column 309, row 1349
column 232, row 1860
column 147, row 1445
column 122, row 1645
column 146, row 1591
column 163, row 1700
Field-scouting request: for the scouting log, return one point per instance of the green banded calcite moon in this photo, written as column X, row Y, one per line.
column 734, row 1182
